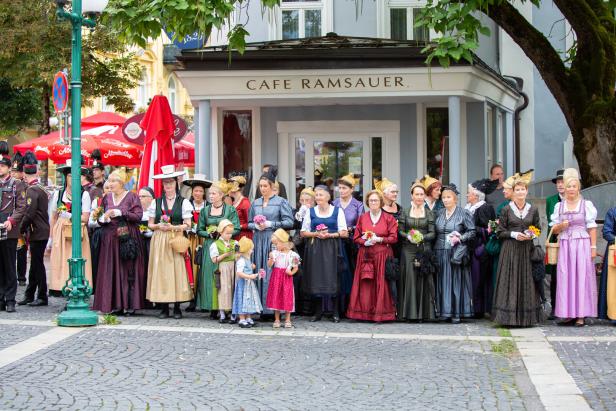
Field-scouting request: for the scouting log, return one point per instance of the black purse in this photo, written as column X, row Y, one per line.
column 129, row 249
column 392, row 269
column 198, row 258
column 537, row 255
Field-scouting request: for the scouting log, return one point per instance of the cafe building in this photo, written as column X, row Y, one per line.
column 323, row 107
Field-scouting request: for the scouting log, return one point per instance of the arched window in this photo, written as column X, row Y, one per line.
column 142, row 91
column 172, row 95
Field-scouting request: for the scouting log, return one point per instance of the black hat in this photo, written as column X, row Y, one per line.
column 450, row 187
column 486, row 186
column 66, row 168
column 85, row 170
column 30, row 163
column 559, row 176
column 4, row 153
column 271, row 174
column 96, row 160
column 18, row 162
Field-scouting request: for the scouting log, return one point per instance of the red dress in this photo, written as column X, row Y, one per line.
column 242, row 212
column 370, row 296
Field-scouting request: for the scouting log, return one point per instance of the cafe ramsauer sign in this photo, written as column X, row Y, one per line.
column 327, row 83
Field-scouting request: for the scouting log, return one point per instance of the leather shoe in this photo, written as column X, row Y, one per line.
column 25, row 301
column 315, row 318
column 177, row 313
column 164, row 314
column 37, row 303
column 335, row 318
column 2, row 305
column 10, row 307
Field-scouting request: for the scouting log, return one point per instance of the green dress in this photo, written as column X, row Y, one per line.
column 207, row 295
column 416, row 293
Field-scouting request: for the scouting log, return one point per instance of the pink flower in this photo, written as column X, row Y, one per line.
column 259, row 219
column 321, row 227
column 165, row 219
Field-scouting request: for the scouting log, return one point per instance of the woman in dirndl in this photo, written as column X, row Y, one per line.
column 574, row 222
column 198, row 186
column 169, row 216
column 209, row 218
column 241, row 204
column 61, row 234
column 323, row 227
column 607, row 286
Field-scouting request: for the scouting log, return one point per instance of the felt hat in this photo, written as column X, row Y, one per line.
column 97, row 158
column 30, row 163
column 18, row 162
column 168, row 171
column 485, row 185
column 67, row 167
column 559, row 176
column 245, row 244
column 197, row 180
column 5, row 159
column 223, row 224
column 450, row 187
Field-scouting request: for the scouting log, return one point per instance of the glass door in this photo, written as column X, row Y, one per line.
column 323, row 159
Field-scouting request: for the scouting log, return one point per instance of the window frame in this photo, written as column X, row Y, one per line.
column 173, row 103
column 326, row 7
column 384, row 17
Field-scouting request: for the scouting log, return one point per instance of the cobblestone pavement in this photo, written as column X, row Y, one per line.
column 593, row 367
column 196, row 363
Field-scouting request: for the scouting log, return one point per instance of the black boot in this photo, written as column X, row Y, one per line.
column 177, row 313
column 165, row 311
column 192, row 307
column 336, row 314
column 318, row 310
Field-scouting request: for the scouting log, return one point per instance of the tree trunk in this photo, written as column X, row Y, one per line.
column 595, row 150
column 44, row 127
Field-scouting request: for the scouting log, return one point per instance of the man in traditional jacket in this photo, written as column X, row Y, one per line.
column 35, row 227
column 12, row 208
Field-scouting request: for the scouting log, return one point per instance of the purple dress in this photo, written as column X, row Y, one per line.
column 576, row 290
column 120, row 283
column 352, row 212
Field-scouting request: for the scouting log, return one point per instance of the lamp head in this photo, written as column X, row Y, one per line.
column 93, row 7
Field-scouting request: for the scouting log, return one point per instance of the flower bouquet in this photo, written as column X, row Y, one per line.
column 532, row 232
column 492, row 225
column 262, row 273
column 64, row 208
column 143, row 228
column 165, row 219
column 212, row 231
column 416, row 236
column 321, row 227
column 368, row 235
column 295, row 261
column 259, row 219
column 97, row 213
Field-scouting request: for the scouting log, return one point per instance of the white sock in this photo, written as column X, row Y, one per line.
column 249, row 321
column 222, row 314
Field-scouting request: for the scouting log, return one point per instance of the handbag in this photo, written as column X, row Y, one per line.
column 179, row 243
column 367, row 270
column 198, row 258
column 460, row 255
column 493, row 245
column 427, row 263
column 217, row 278
column 537, row 255
column 551, row 249
column 392, row 269
column 611, row 257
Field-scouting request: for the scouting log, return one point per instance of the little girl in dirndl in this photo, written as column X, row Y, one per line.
column 246, row 300
column 280, row 294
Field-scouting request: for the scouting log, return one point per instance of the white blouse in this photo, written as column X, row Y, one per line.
column 519, row 213
column 187, row 209
column 473, row 207
column 342, row 225
column 86, row 202
column 591, row 213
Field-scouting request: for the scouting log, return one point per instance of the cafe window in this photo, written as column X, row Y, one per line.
column 237, row 141
column 398, row 20
column 437, row 132
column 299, row 19
column 172, row 93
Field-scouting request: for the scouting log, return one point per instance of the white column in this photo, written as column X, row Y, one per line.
column 509, row 145
column 455, row 152
column 421, row 139
column 203, row 142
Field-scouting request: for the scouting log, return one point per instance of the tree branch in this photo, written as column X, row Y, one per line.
column 539, row 50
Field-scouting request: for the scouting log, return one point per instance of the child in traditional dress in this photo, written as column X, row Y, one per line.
column 246, row 299
column 280, row 293
column 222, row 252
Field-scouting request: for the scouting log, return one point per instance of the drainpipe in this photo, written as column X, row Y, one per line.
column 518, row 83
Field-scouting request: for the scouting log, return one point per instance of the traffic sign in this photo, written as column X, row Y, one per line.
column 60, row 92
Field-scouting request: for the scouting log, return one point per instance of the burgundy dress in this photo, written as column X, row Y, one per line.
column 370, row 296
column 242, row 212
column 120, row 284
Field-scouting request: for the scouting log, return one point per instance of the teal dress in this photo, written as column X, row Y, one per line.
column 207, row 294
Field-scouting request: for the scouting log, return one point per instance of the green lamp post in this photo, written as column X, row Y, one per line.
column 77, row 289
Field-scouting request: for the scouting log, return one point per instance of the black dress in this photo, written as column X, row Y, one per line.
column 481, row 261
column 516, row 300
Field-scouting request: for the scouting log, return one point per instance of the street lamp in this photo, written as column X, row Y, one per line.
column 77, row 289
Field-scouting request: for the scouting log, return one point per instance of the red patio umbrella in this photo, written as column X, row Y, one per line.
column 185, row 150
column 158, row 151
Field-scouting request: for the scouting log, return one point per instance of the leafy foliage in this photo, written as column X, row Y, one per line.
column 36, row 46
column 19, row 107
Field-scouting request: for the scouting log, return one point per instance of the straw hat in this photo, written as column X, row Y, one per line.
column 168, row 171
column 197, row 180
column 281, row 235
column 246, row 245
column 223, row 224
column 383, row 185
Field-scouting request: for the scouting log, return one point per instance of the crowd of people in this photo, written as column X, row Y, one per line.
column 369, row 260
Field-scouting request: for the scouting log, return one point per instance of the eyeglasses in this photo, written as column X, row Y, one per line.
column 374, row 201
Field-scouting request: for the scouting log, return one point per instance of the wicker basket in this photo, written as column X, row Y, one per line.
column 551, row 249
column 67, row 231
column 179, row 243
column 611, row 257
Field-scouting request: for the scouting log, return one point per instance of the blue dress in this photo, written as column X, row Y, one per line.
column 246, row 296
column 609, row 234
column 280, row 214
